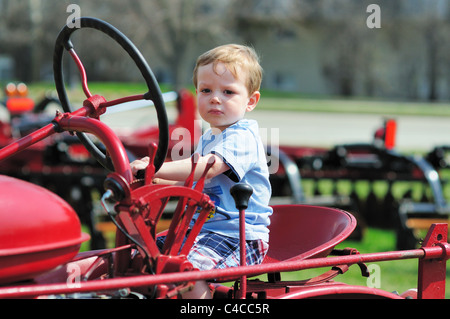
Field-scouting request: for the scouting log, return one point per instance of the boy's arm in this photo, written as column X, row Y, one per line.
column 180, row 170
column 161, row 181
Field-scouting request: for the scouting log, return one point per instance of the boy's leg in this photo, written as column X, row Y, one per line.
column 214, row 251
column 211, row 250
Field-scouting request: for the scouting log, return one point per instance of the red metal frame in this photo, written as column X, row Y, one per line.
column 440, row 253
column 432, row 271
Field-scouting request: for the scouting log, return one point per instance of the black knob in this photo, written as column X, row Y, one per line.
column 241, row 193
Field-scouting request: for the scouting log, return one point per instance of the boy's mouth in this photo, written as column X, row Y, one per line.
column 215, row 112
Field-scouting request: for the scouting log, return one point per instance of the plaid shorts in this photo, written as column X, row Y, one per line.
column 213, row 251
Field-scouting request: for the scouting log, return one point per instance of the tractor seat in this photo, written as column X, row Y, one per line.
column 301, row 231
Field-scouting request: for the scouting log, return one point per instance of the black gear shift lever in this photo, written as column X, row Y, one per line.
column 241, row 193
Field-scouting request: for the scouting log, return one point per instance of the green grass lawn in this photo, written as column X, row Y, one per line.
column 109, row 90
column 354, row 105
column 269, row 100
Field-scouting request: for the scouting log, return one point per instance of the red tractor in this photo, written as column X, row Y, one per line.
column 41, row 235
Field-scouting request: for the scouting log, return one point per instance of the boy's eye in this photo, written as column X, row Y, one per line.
column 228, row 92
column 205, row 91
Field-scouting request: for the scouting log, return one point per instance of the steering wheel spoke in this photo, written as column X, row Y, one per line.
column 82, row 70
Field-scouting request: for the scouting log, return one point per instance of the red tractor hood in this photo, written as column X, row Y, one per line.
column 38, row 230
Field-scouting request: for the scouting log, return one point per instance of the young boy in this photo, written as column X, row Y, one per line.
column 227, row 81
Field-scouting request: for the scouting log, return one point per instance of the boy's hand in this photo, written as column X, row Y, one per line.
column 139, row 164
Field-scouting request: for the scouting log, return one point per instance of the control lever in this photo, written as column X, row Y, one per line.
column 148, row 173
column 150, row 170
column 241, row 193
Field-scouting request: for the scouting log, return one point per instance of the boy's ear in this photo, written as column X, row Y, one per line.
column 253, row 100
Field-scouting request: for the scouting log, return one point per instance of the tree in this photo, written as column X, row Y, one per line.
column 172, row 29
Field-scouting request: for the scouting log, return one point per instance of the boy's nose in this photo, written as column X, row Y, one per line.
column 215, row 99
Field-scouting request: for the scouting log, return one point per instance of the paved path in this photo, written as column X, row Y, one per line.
column 320, row 129
column 327, row 129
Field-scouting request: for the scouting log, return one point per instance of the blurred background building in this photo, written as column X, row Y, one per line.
column 317, row 47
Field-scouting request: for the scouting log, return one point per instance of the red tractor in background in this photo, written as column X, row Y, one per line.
column 40, row 232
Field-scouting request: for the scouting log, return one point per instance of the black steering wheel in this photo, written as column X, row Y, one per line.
column 63, row 42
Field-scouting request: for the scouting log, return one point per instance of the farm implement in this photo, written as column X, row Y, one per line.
column 41, row 235
column 410, row 194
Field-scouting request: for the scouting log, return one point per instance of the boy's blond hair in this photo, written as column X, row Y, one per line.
column 237, row 58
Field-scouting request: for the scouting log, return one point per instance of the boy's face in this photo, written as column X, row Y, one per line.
column 223, row 99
